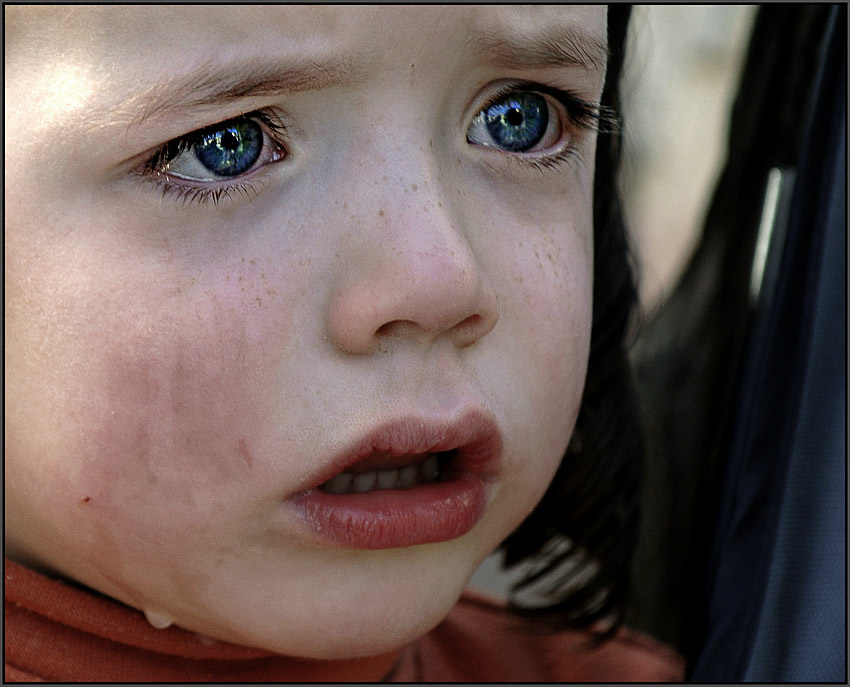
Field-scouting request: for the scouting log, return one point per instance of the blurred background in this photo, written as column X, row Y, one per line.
column 681, row 73
column 682, row 69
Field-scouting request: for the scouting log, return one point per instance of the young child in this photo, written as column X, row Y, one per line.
column 303, row 306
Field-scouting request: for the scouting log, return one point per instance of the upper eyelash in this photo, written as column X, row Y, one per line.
column 167, row 152
column 583, row 114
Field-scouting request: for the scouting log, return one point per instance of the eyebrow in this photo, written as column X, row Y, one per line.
column 552, row 47
column 212, row 84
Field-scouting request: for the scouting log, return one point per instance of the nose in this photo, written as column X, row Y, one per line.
column 409, row 273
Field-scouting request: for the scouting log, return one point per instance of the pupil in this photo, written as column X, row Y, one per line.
column 230, row 149
column 229, row 140
column 518, row 121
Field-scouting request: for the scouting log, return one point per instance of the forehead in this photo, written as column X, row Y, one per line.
column 121, row 35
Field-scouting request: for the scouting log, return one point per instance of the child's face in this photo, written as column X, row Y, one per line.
column 184, row 367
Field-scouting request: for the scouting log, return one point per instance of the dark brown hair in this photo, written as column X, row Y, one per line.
column 579, row 540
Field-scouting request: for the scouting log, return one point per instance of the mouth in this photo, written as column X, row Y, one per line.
column 417, row 470
column 412, row 481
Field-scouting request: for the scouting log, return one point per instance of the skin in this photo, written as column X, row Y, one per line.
column 176, row 371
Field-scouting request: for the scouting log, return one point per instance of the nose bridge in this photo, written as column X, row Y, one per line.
column 410, row 268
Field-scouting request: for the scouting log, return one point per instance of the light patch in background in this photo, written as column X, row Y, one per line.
column 681, row 75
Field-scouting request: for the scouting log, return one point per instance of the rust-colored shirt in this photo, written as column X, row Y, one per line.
column 59, row 632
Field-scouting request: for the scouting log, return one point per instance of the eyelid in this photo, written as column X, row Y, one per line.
column 581, row 113
column 576, row 116
column 270, row 123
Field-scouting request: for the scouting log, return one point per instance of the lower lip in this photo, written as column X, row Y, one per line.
column 393, row 518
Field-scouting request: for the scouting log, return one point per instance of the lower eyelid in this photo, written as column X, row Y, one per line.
column 571, row 125
column 270, row 122
column 199, row 191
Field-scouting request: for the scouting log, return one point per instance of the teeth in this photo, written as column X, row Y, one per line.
column 407, row 476
column 364, row 482
column 430, row 468
column 339, row 484
column 386, row 479
column 399, row 478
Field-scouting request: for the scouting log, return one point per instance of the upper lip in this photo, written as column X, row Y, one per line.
column 473, row 434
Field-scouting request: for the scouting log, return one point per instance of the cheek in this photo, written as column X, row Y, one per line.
column 182, row 390
column 546, row 297
column 157, row 397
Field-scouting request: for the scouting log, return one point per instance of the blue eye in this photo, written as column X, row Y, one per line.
column 515, row 122
column 231, row 149
column 222, row 151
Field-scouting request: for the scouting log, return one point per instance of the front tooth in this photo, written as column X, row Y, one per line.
column 407, row 476
column 430, row 469
column 339, row 484
column 387, row 479
column 364, row 482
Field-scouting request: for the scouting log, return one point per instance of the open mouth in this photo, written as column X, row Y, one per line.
column 411, row 481
column 418, row 470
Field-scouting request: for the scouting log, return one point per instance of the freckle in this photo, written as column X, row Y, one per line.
column 414, row 187
column 262, row 275
column 384, row 178
column 240, row 277
column 243, row 259
column 431, row 142
column 381, row 213
column 345, row 206
column 253, row 263
column 259, row 301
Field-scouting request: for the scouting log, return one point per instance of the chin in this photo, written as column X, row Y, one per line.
column 365, row 604
column 363, row 628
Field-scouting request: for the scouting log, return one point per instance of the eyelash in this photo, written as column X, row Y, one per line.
column 582, row 115
column 155, row 168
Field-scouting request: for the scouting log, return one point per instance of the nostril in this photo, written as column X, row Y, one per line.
column 464, row 333
column 395, row 328
column 471, row 321
column 469, row 331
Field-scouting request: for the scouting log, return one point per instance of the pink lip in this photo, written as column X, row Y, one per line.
column 383, row 519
